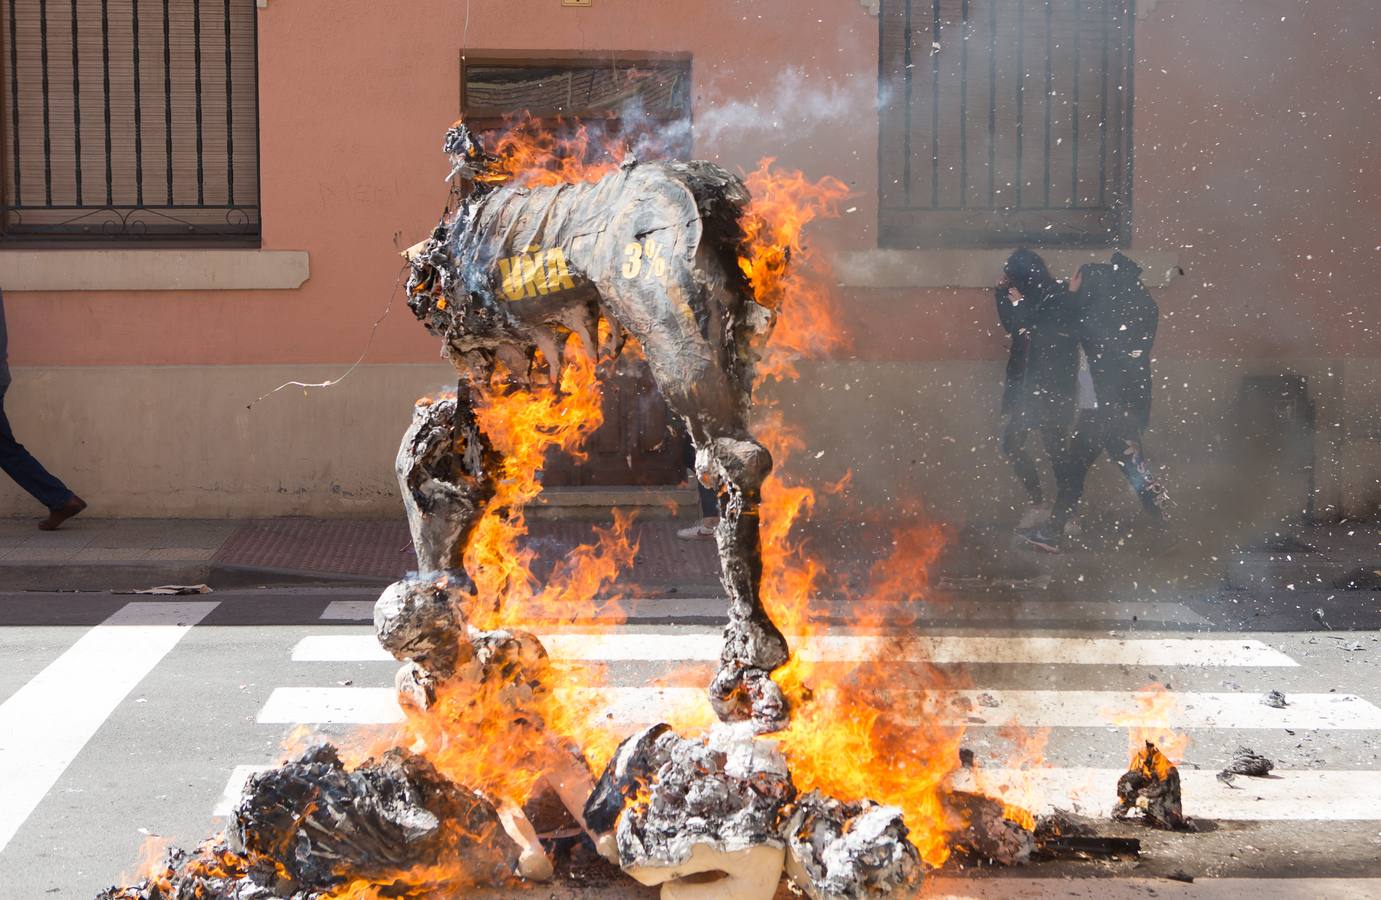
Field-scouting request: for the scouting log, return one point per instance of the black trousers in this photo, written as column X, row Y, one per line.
column 1014, row 435
column 26, row 471
column 1100, row 431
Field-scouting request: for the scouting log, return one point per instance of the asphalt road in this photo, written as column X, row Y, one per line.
column 124, row 716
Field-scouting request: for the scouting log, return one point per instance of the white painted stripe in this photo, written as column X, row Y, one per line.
column 330, row 706
column 701, row 646
column 46, row 723
column 1288, row 795
column 340, row 648
column 1033, row 709
column 951, row 612
column 234, row 787
column 1067, row 888
column 1332, row 795
column 348, row 610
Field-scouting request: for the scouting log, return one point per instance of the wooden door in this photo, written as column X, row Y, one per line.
column 640, row 443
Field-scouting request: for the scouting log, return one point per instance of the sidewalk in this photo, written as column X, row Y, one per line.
column 127, row 554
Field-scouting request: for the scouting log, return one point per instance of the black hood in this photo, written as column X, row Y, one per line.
column 1125, row 268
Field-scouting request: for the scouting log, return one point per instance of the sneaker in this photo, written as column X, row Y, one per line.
column 1155, row 499
column 696, row 533
column 1041, row 538
column 1034, row 514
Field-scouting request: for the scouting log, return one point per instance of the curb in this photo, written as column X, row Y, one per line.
column 100, row 576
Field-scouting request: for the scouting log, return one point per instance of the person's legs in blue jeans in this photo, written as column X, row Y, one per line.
column 26, row 471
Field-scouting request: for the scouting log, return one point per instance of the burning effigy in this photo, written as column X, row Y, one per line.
column 536, row 279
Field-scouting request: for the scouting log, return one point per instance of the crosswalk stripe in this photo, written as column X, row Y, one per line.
column 1063, row 887
column 234, row 787
column 1288, row 795
column 950, row 612
column 348, row 610
column 633, row 706
column 1299, row 794
column 46, row 723
column 697, row 647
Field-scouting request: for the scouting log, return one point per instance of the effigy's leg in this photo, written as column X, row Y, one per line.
column 753, row 646
column 445, row 470
column 703, row 372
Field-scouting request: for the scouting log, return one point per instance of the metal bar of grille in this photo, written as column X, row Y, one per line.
column 935, row 103
column 1021, row 93
column 229, row 113
column 992, row 109
column 906, row 135
column 1049, row 91
column 964, row 105
column 76, row 105
column 105, row 64
column 196, row 57
column 69, row 208
column 168, row 100
column 47, row 135
column 138, row 114
column 1125, row 201
column 1103, row 116
column 14, row 102
column 1074, row 125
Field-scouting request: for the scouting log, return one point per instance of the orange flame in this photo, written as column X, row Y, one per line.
column 1150, row 723
column 783, row 204
column 531, row 153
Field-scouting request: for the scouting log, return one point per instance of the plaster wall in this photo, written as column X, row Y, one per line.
column 1256, row 149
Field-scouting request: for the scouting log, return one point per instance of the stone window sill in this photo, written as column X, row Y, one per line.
column 152, row 270
column 979, row 268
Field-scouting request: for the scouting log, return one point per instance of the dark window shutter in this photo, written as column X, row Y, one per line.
column 621, row 98
column 130, row 120
column 1004, row 122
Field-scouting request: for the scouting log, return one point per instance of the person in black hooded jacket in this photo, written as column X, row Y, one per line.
column 1039, row 314
column 1117, row 320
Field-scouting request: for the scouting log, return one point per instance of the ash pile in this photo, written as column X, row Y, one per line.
column 719, row 817
column 311, row 826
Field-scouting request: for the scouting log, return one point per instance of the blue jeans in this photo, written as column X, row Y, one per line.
column 26, row 471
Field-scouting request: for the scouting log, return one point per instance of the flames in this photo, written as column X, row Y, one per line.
column 1149, row 723
column 532, row 152
column 849, row 735
column 525, row 424
column 783, row 204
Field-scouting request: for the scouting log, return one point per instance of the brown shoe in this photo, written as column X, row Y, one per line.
column 64, row 512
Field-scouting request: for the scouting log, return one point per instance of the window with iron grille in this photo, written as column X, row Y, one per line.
column 129, row 121
column 1005, row 122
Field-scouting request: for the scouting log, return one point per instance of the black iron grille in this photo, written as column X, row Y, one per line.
column 130, row 120
column 1005, row 121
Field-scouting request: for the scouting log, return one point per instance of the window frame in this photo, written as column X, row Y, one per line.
column 251, row 238
column 930, row 227
column 582, row 59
